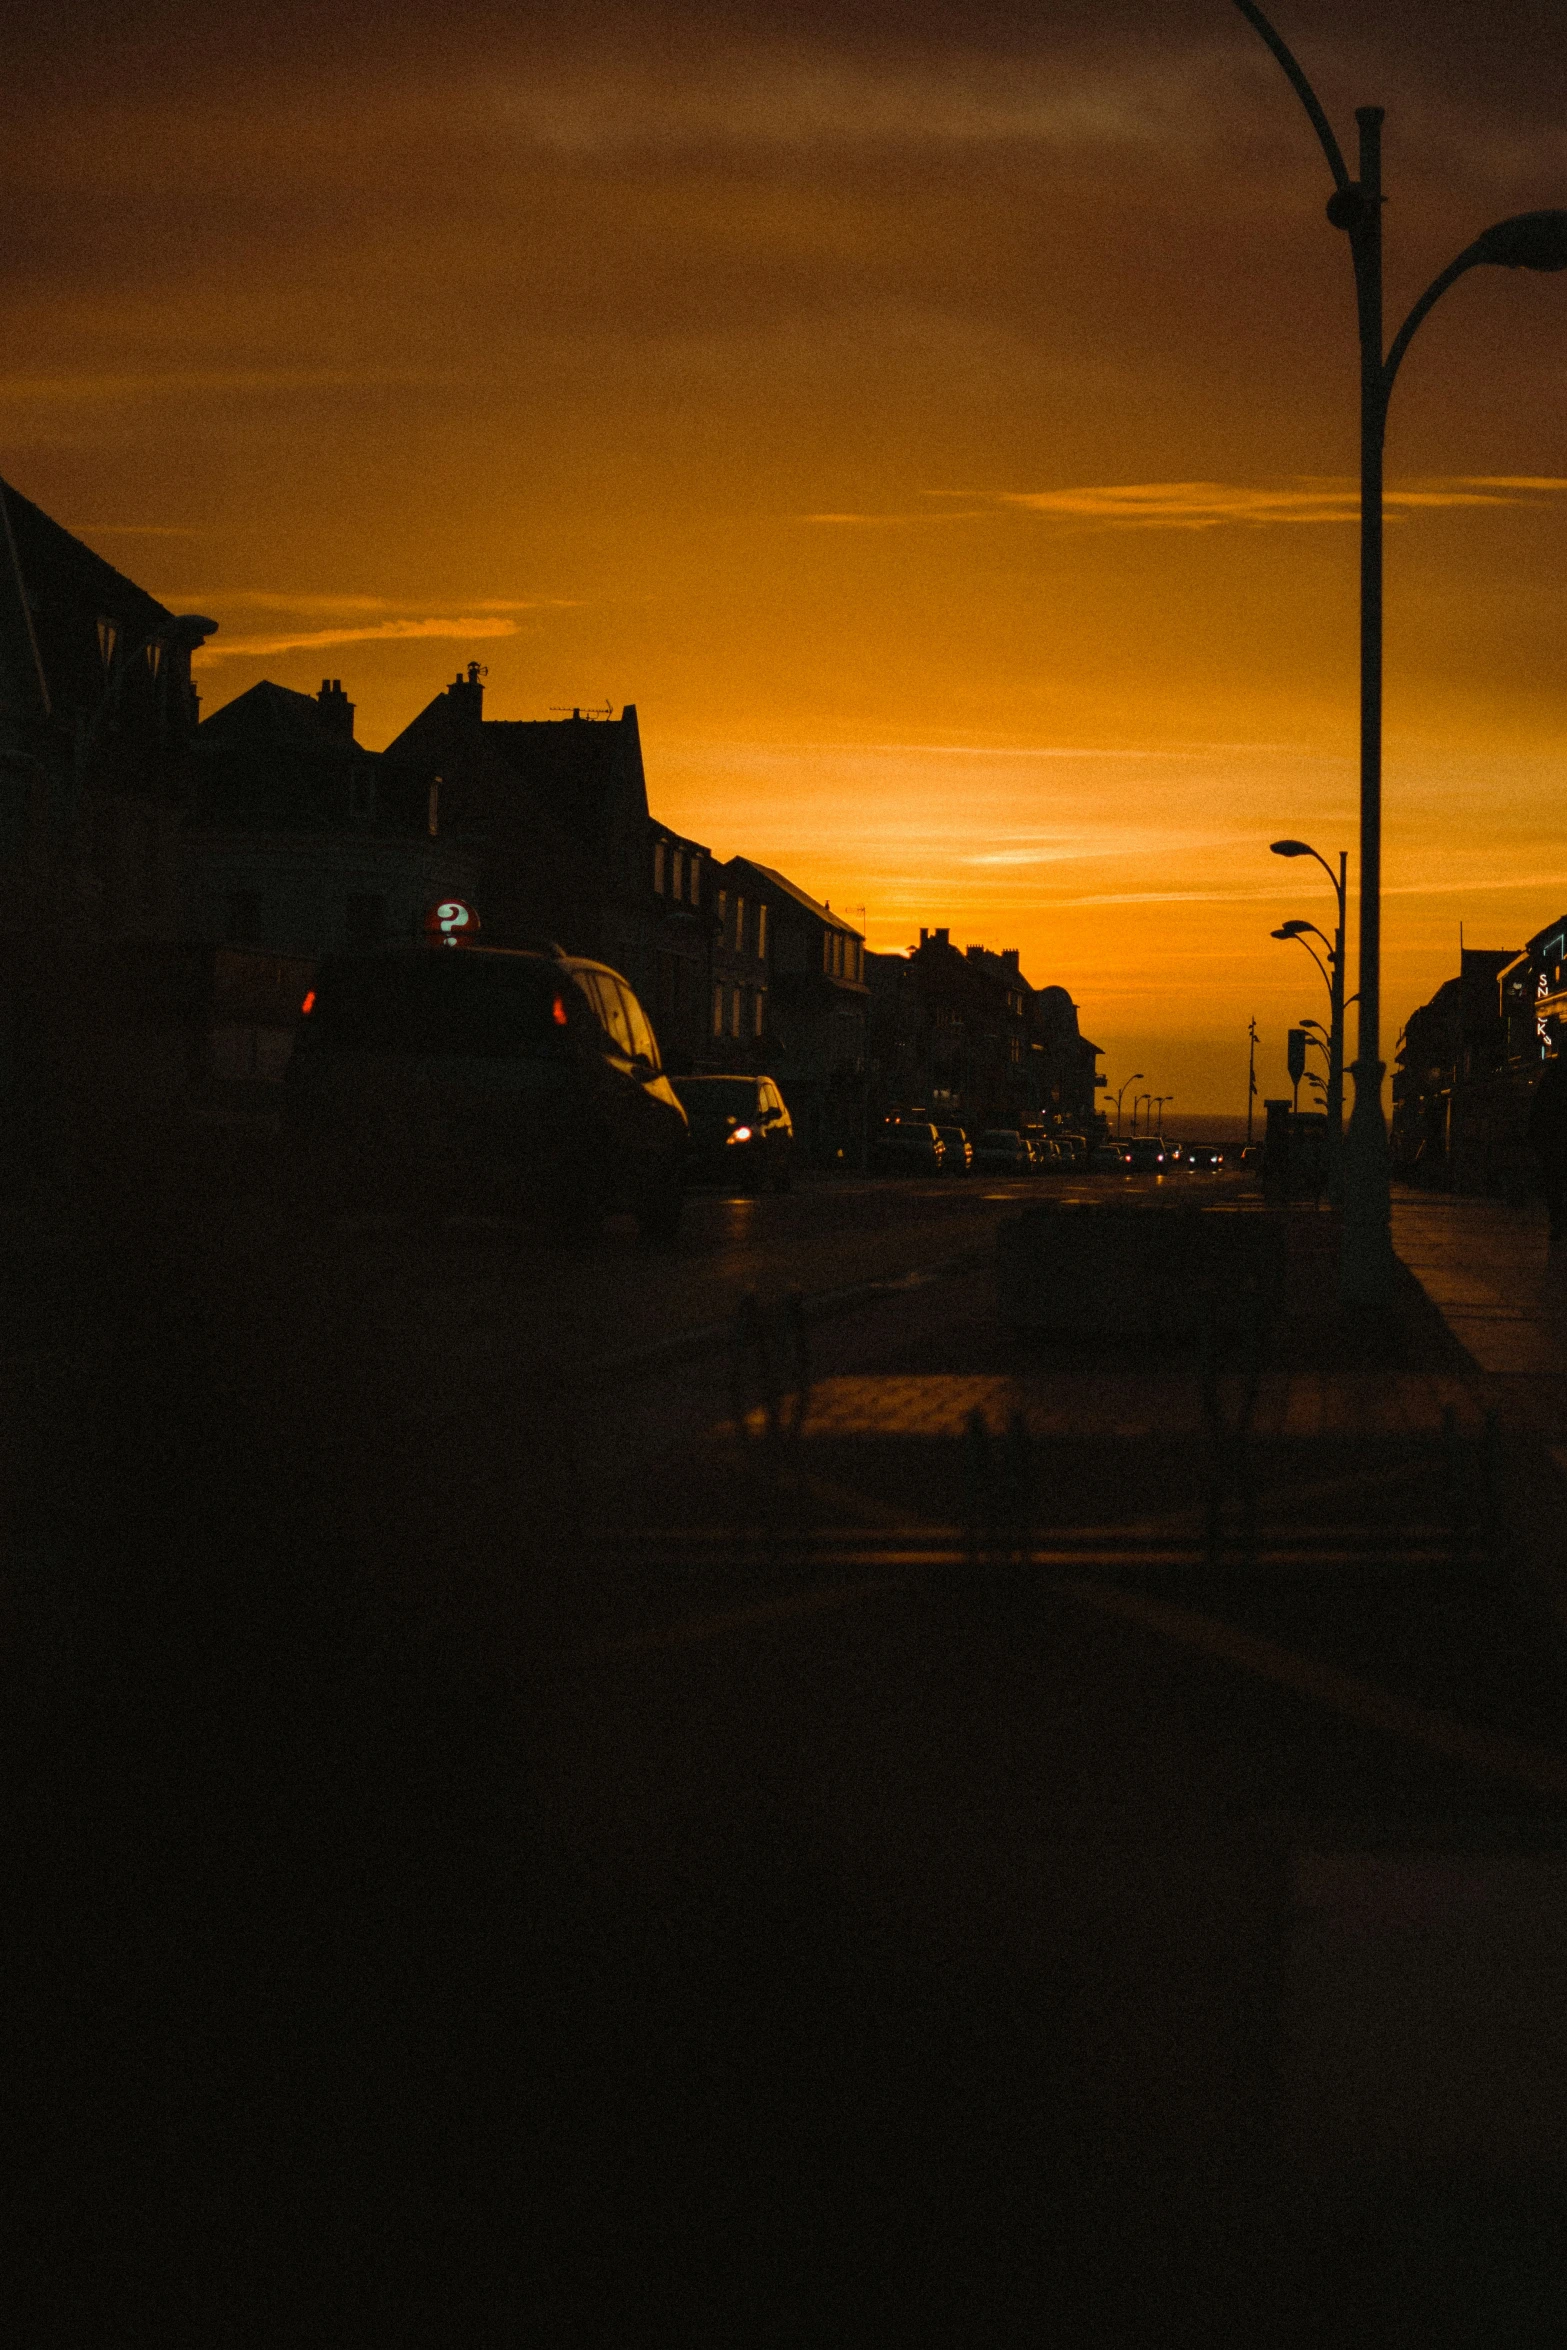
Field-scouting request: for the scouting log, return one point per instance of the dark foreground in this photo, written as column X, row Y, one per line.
column 507, row 1861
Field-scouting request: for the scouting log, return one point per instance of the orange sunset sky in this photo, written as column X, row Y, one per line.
column 940, row 422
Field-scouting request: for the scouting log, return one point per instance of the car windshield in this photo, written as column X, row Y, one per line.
column 439, row 1005
column 716, row 1097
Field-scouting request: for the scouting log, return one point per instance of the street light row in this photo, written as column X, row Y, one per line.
column 1529, row 240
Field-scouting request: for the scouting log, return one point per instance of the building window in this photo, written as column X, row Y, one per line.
column 761, row 932
column 718, row 1009
column 364, row 923
column 723, row 912
column 108, row 638
column 242, row 923
column 696, row 881
column 739, row 926
column 658, row 867
column 734, row 1011
column 676, row 873
column 827, row 952
column 759, row 1011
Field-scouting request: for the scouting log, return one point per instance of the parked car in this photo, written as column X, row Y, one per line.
column 1073, row 1149
column 1146, row 1156
column 1108, row 1158
column 1204, row 1158
column 960, row 1151
column 741, row 1131
column 902, row 1148
column 444, row 1071
column 1002, row 1151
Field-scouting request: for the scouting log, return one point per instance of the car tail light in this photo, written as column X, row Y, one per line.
column 309, row 1004
column 558, row 1012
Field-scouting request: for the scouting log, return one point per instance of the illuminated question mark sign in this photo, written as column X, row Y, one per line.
column 451, row 920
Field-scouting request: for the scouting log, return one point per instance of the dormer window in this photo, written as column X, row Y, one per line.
column 108, row 638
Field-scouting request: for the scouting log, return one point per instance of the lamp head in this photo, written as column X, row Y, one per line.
column 1289, row 848
column 1291, row 929
column 1530, row 240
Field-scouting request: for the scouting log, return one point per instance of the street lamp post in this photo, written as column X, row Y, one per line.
column 1530, row 240
column 1136, row 1098
column 1132, row 1080
column 1160, row 1099
column 1335, row 1103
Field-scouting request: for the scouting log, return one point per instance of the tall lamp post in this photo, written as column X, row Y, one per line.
column 1160, row 1099
column 1529, row 240
column 1132, row 1080
column 1335, row 1102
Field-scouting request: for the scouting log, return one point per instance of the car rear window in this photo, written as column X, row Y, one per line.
column 439, row 1005
column 716, row 1097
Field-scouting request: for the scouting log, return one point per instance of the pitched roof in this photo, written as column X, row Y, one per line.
column 801, row 897
column 271, row 715
column 271, row 757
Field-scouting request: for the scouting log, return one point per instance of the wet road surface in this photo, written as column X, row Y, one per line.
column 478, row 1928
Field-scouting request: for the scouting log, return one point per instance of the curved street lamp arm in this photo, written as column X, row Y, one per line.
column 1303, row 91
column 1470, row 258
column 1317, row 959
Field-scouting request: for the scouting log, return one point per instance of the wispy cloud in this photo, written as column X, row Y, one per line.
column 198, row 383
column 959, row 514
column 424, row 607
column 130, row 530
column 1206, row 505
column 466, row 625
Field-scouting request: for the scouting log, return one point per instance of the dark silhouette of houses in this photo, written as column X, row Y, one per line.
column 97, row 718
column 961, row 1035
column 1459, row 1102
column 556, row 812
column 814, row 998
column 301, row 842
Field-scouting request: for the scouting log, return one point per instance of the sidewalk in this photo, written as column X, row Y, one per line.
column 1482, row 1265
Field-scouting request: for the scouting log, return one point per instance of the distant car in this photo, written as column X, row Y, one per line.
column 439, row 1072
column 907, row 1149
column 1175, row 1153
column 1108, row 1158
column 1074, row 1149
column 741, row 1131
column 1146, row 1156
column 959, row 1150
column 1204, row 1158
column 1002, row 1151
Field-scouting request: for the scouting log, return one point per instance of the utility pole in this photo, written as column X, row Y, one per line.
column 1251, row 1076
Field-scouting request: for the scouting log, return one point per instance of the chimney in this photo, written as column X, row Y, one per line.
column 1011, row 956
column 467, row 695
column 337, row 711
column 924, row 934
column 943, row 938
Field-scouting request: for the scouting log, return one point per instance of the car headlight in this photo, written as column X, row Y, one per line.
column 740, row 1134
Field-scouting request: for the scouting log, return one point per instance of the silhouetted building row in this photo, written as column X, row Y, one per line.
column 1468, row 1062
column 961, row 1036
column 225, row 856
